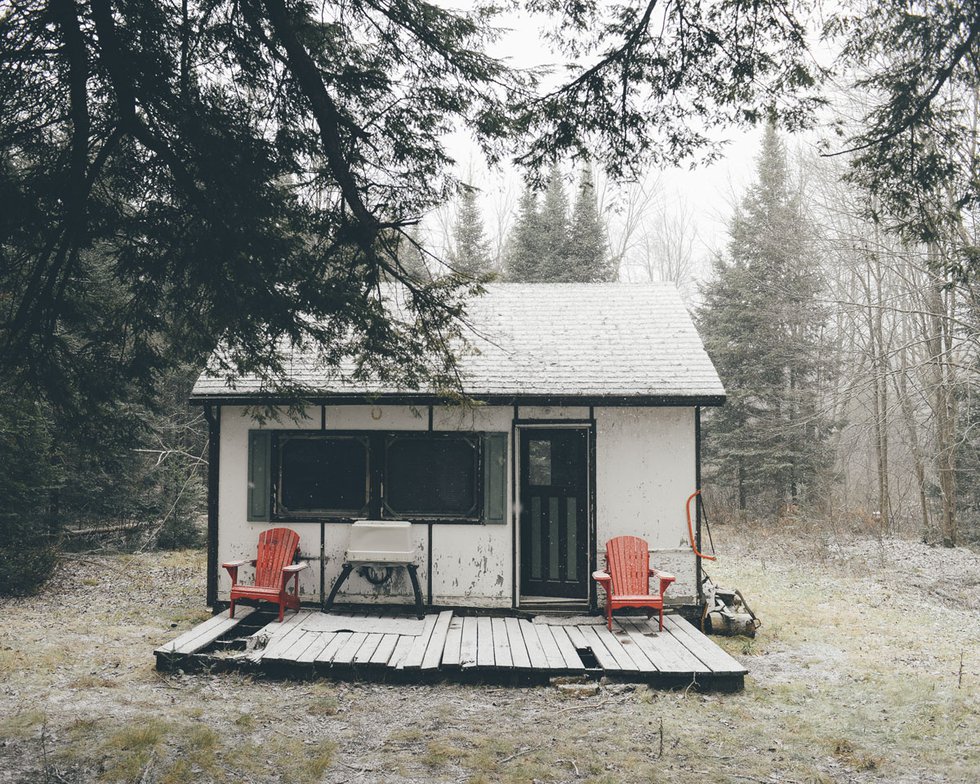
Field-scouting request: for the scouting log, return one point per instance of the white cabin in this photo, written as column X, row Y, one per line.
column 587, row 427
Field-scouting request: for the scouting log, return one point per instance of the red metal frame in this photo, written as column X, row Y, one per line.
column 690, row 530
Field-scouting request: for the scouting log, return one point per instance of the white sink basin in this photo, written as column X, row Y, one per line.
column 381, row 541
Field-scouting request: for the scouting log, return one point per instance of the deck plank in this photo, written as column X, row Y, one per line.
column 501, row 645
column 718, row 660
column 665, row 652
column 285, row 635
column 382, row 655
column 415, row 655
column 568, row 652
column 368, row 647
column 345, row 653
column 555, row 660
column 606, row 660
column 454, row 638
column 535, row 651
column 205, row 633
column 402, row 647
column 518, row 650
column 298, row 648
column 575, row 636
column 467, row 647
column 437, row 642
column 634, row 651
column 484, row 643
column 682, row 661
column 326, row 655
column 615, row 647
column 663, row 657
column 309, row 655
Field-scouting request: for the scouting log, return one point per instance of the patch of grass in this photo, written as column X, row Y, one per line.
column 858, row 760
column 23, row 725
column 318, row 759
column 181, row 771
column 92, row 682
column 324, row 706
column 246, row 721
column 130, row 750
column 289, row 760
column 439, row 753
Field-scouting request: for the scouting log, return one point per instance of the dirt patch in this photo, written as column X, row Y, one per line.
column 854, row 677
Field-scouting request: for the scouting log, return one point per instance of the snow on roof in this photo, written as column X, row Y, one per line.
column 551, row 341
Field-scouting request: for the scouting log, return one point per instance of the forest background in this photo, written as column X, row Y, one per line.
column 151, row 213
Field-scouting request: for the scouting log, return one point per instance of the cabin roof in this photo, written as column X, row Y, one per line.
column 556, row 343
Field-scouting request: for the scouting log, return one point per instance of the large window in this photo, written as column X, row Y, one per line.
column 431, row 475
column 322, row 475
column 347, row 475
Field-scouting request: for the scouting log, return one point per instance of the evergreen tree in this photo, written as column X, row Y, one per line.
column 555, row 229
column 761, row 323
column 588, row 258
column 525, row 246
column 470, row 254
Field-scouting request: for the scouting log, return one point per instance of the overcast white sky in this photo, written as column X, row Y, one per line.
column 706, row 193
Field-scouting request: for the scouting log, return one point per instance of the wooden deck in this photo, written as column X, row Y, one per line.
column 445, row 645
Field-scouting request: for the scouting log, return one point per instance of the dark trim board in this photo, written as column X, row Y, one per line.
column 446, row 646
column 245, row 399
column 213, row 417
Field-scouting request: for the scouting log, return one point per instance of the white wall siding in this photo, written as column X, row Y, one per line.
column 645, row 470
column 472, row 562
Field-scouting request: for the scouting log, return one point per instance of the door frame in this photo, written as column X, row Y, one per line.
column 519, row 427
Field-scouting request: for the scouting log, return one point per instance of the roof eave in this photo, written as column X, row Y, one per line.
column 428, row 399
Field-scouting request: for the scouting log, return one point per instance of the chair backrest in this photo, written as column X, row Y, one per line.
column 277, row 548
column 628, row 563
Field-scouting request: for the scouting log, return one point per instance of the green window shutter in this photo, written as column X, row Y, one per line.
column 495, row 478
column 259, row 475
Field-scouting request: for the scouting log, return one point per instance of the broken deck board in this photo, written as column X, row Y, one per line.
column 202, row 635
column 444, row 643
column 437, row 642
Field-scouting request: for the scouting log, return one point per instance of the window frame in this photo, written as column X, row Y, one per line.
column 375, row 509
column 281, row 512
column 475, row 440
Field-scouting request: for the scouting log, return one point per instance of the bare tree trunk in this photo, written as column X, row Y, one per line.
column 879, row 388
column 944, row 408
column 912, row 433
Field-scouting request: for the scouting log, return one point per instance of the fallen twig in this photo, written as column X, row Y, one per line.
column 520, row 753
column 743, row 776
column 585, row 705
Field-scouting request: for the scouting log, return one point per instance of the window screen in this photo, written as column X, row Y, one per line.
column 318, row 473
column 431, row 476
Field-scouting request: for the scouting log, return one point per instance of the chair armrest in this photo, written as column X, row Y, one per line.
column 297, row 567
column 604, row 579
column 665, row 579
column 232, row 567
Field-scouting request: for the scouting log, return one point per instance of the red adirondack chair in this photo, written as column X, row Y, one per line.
column 273, row 568
column 627, row 583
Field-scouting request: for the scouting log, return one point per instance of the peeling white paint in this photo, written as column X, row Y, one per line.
column 645, row 469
